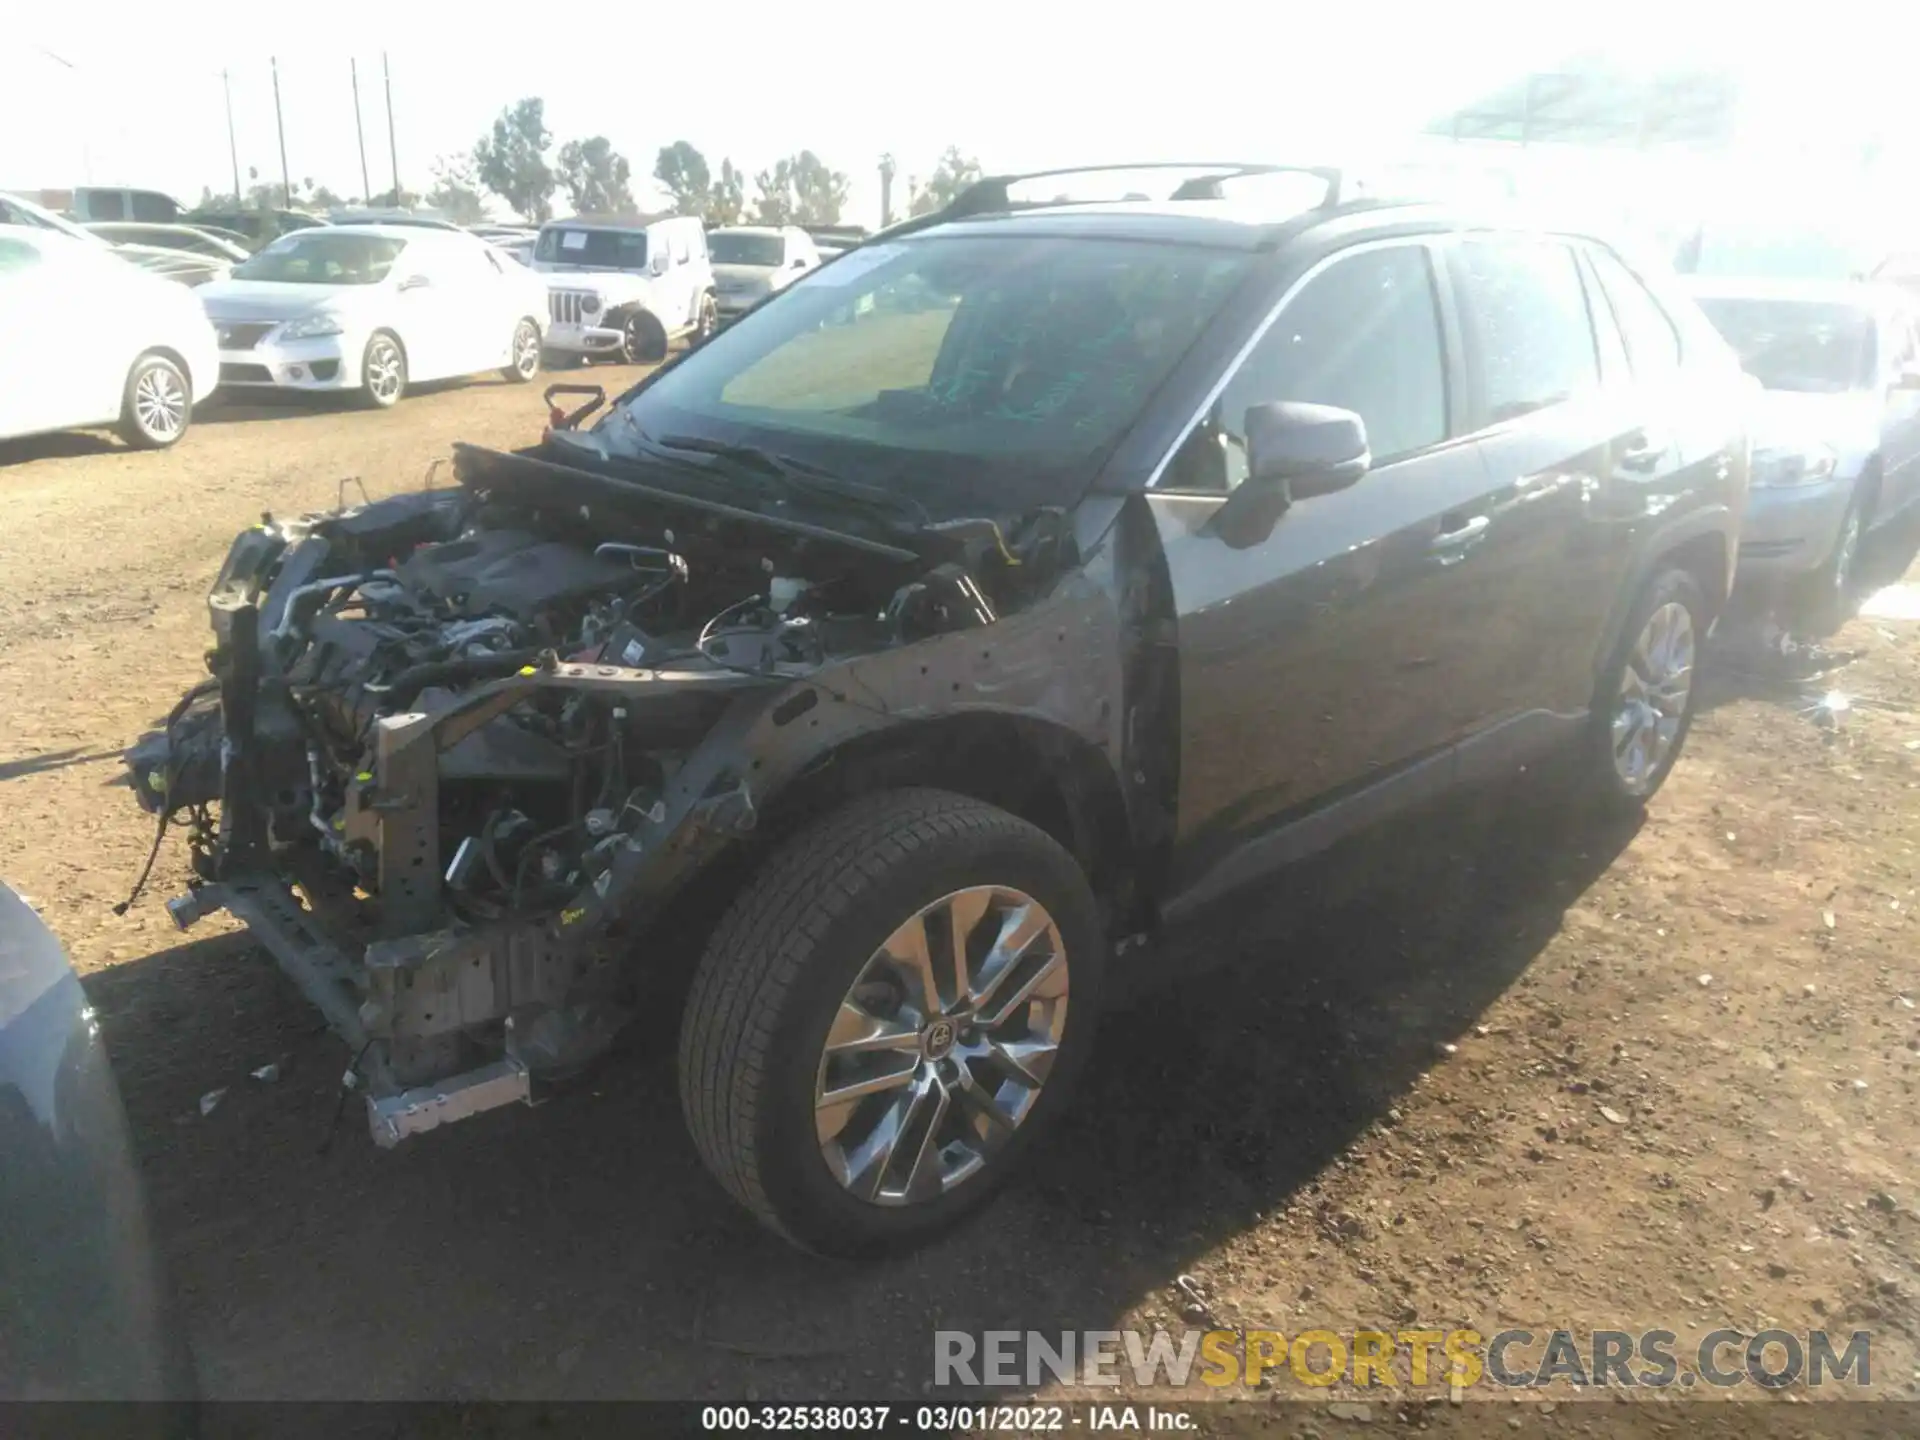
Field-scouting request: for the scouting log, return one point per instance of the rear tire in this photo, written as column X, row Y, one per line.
column 523, row 357
column 808, row 949
column 1644, row 703
column 383, row 371
column 157, row 404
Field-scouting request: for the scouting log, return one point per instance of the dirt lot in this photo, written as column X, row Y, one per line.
column 1491, row 1069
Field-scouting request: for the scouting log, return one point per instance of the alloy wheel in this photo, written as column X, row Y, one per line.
column 160, row 403
column 386, row 371
column 1655, row 686
column 526, row 351
column 941, row 1046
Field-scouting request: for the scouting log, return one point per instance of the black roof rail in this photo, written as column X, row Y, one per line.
column 989, row 194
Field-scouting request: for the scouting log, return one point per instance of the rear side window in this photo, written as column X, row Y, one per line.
column 1363, row 334
column 1525, row 314
column 1653, row 345
column 106, row 205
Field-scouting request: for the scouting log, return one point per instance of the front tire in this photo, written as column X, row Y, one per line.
column 855, row 1075
column 644, row 339
column 383, row 372
column 157, row 404
column 523, row 357
column 1644, row 703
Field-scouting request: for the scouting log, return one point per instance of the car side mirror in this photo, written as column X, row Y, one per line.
column 1295, row 451
column 657, row 264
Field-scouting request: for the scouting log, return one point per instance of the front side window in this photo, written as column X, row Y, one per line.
column 1003, row 366
column 1804, row 345
column 320, row 257
column 107, row 205
column 1364, row 335
column 1525, row 314
column 148, row 206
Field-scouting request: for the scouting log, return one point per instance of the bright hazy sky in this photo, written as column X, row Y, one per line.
column 1019, row 83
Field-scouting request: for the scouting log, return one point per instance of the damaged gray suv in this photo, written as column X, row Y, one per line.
column 981, row 608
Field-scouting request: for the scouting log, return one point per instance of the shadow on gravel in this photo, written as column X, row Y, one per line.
column 62, row 445
column 53, row 760
column 580, row 1251
column 225, row 407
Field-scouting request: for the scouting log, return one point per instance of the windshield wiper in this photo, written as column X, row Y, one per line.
column 799, row 475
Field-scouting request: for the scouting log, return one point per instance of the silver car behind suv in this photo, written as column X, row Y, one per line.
column 1837, row 447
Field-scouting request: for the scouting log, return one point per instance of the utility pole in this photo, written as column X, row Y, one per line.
column 886, row 190
column 233, row 146
column 286, row 180
column 366, row 185
column 393, row 145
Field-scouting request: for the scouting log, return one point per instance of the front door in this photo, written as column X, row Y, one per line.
column 1324, row 656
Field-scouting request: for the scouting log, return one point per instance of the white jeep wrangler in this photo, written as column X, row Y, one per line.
column 622, row 287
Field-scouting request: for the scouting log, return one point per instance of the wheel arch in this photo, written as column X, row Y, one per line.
column 1036, row 769
column 174, row 358
column 1704, row 543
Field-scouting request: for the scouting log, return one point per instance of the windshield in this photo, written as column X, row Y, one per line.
column 739, row 249
column 323, row 257
column 600, row 249
column 1797, row 344
column 1004, row 366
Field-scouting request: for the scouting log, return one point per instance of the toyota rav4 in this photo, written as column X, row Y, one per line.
column 907, row 666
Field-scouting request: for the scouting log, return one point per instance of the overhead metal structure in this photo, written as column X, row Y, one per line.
column 1588, row 101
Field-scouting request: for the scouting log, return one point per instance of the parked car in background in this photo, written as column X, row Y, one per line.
column 929, row 663
column 103, row 202
column 373, row 308
column 85, row 1310
column 259, row 226
column 190, row 238
column 183, row 267
column 111, row 344
column 503, row 232
column 521, row 249
column 624, row 287
column 1837, row 450
column 750, row 262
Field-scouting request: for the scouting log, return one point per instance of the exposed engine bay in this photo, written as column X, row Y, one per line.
column 460, row 746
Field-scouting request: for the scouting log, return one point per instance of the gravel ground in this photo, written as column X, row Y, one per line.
column 1488, row 1069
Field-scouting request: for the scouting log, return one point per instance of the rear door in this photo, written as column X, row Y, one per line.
column 1326, row 655
column 1548, row 426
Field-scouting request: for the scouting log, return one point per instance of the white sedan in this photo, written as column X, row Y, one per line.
column 373, row 308
column 101, row 342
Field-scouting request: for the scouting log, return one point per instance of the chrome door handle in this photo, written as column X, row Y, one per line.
column 1463, row 534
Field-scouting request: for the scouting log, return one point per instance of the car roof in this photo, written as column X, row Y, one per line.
column 614, row 222
column 410, row 233
column 1860, row 293
column 756, row 229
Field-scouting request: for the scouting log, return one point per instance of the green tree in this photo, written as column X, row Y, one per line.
column 683, row 174
column 512, row 160
column 952, row 175
column 800, row 190
column 727, row 200
column 596, row 176
column 456, row 190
